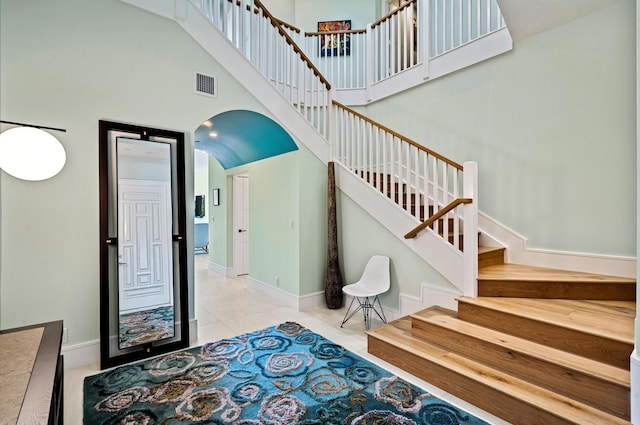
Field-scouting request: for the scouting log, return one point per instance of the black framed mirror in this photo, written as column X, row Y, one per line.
column 143, row 254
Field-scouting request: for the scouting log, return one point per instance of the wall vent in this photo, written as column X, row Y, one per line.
column 205, row 85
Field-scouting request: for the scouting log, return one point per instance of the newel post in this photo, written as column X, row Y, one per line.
column 424, row 30
column 370, row 59
column 470, row 214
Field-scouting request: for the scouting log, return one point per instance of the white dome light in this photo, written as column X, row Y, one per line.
column 32, row 154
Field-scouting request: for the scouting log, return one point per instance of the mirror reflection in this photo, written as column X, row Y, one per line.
column 145, row 256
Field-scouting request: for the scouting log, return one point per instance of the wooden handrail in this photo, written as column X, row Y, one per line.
column 412, row 234
column 406, row 139
column 275, row 22
column 287, row 25
column 393, row 12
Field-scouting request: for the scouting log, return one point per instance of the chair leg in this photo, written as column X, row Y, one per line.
column 346, row 319
column 381, row 312
column 366, row 306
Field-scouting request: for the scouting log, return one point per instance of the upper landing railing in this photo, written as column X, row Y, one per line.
column 402, row 39
column 259, row 36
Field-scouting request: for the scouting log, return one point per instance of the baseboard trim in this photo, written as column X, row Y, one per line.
column 518, row 252
column 87, row 353
column 429, row 296
column 82, row 354
column 298, row 303
column 221, row 270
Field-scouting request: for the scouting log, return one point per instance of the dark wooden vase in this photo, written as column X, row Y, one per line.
column 333, row 280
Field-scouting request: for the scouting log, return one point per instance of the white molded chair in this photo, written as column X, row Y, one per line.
column 375, row 280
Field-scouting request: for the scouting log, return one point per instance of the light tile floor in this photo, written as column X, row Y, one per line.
column 226, row 307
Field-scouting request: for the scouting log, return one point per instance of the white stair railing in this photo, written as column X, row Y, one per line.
column 399, row 39
column 341, row 56
column 455, row 23
column 421, row 182
column 266, row 44
column 437, row 192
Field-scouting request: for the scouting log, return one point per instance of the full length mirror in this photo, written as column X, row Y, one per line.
column 143, row 249
column 145, row 258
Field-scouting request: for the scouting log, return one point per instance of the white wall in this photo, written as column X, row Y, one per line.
column 201, row 185
column 282, row 9
column 552, row 127
column 310, row 12
column 105, row 60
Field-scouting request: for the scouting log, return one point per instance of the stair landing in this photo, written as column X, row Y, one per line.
column 516, row 280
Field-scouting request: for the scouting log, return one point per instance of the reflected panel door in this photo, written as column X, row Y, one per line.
column 144, row 254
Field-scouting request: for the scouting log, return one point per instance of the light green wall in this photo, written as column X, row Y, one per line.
column 309, row 12
column 219, row 215
column 360, row 236
column 282, row 9
column 287, row 220
column 200, row 187
column 552, row 127
column 106, row 60
column 273, row 201
column 312, row 223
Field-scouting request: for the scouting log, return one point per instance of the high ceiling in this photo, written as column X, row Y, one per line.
column 529, row 17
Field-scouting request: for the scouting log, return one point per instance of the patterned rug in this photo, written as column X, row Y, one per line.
column 281, row 375
column 146, row 326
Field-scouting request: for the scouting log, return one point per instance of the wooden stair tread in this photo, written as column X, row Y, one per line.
column 486, row 249
column 448, row 319
column 520, row 272
column 581, row 315
column 398, row 334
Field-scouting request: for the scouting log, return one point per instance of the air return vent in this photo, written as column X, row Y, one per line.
column 205, row 85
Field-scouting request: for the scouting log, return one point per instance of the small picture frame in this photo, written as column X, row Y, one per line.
column 216, row 197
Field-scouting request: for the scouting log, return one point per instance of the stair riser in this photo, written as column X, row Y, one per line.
column 562, row 290
column 490, row 259
column 483, row 396
column 597, row 348
column 586, row 388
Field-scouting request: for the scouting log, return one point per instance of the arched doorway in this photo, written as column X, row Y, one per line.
column 236, row 138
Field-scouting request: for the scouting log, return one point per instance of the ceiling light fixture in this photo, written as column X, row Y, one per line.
column 28, row 152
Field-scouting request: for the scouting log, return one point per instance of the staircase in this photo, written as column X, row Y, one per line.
column 538, row 346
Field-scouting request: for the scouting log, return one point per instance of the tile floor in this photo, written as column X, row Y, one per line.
column 226, row 307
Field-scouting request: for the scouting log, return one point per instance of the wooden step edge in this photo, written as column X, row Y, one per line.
column 490, row 249
column 522, row 346
column 527, row 273
column 532, row 395
column 515, row 311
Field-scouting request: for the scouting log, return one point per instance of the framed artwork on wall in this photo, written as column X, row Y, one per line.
column 338, row 42
column 216, row 197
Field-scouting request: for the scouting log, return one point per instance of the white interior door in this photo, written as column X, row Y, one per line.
column 144, row 244
column 241, row 224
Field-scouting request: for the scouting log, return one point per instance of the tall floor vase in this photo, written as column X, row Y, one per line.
column 333, row 280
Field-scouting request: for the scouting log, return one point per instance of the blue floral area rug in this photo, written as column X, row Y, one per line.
column 281, row 375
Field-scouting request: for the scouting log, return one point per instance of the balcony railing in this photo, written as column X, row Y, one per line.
column 261, row 38
column 400, row 40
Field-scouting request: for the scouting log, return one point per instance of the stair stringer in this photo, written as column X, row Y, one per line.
column 517, row 251
column 440, row 255
column 230, row 58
